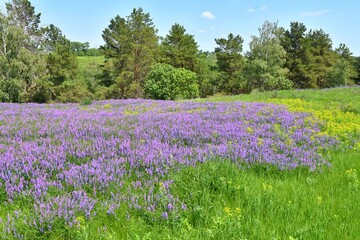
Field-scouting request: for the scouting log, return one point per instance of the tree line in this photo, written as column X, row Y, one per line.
column 39, row 64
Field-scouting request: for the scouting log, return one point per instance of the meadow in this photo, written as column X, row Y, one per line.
column 275, row 165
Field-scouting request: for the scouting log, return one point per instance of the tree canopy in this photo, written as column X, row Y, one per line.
column 39, row 64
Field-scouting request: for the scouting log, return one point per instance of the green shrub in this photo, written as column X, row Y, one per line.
column 86, row 101
column 165, row 82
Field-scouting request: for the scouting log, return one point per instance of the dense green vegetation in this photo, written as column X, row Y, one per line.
column 225, row 200
column 38, row 64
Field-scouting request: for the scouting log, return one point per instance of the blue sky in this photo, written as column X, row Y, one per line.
column 84, row 20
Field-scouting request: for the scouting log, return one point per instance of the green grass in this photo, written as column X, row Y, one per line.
column 225, row 202
column 86, row 62
column 273, row 204
column 341, row 94
column 228, row 202
column 347, row 98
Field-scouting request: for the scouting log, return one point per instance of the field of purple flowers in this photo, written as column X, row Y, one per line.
column 67, row 162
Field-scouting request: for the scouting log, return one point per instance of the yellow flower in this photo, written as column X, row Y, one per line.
column 250, row 130
column 267, row 187
column 80, row 221
column 227, row 210
column 319, row 200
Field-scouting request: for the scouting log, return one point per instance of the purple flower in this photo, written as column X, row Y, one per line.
column 165, row 215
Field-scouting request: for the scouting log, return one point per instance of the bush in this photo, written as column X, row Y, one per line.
column 165, row 82
column 85, row 101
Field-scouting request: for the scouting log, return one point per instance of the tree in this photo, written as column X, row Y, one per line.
column 131, row 44
column 61, row 60
column 79, row 48
column 297, row 48
column 230, row 63
column 22, row 71
column 22, row 14
column 179, row 49
column 341, row 74
column 344, row 52
column 166, row 82
column 321, row 57
column 265, row 69
column 207, row 74
column 357, row 68
column 343, row 71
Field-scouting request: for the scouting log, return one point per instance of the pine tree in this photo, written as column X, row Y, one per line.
column 230, row 63
column 179, row 49
column 130, row 45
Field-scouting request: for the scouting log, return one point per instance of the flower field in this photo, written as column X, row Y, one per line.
column 64, row 166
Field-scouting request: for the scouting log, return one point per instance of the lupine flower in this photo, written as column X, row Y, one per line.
column 47, row 149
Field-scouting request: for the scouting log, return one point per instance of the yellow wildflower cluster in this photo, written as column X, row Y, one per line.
column 235, row 212
column 336, row 123
column 267, row 187
column 80, row 221
column 352, row 177
column 107, row 106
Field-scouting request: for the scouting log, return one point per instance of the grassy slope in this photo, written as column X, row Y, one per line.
column 85, row 62
column 342, row 98
column 230, row 203
column 225, row 202
column 300, row 205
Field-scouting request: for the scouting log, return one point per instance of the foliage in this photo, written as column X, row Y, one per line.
column 83, row 49
column 61, row 61
column 38, row 64
column 312, row 62
column 130, row 43
column 86, row 101
column 34, row 60
column 22, row 69
column 187, row 184
column 230, row 63
column 340, row 74
column 265, row 70
column 179, row 49
column 168, row 83
column 356, row 61
column 207, row 74
column 297, row 53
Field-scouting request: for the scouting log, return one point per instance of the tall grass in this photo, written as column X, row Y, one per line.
column 225, row 202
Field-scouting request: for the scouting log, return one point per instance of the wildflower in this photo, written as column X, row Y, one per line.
column 80, row 222
column 250, row 130
column 319, row 200
column 267, row 187
column 170, row 207
column 165, row 215
column 228, row 210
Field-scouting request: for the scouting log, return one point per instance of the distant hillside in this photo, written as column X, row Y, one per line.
column 85, row 62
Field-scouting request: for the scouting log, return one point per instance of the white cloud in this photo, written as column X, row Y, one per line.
column 207, row 15
column 212, row 28
column 263, row 8
column 202, row 31
column 251, row 10
column 315, row 13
